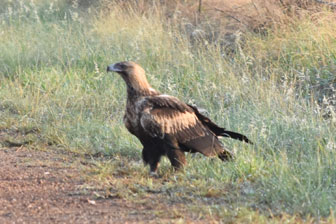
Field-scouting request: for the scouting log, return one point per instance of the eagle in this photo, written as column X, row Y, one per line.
column 166, row 126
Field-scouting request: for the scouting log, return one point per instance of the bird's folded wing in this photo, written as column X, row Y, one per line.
column 168, row 115
column 162, row 116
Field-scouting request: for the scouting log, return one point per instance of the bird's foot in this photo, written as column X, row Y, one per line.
column 153, row 174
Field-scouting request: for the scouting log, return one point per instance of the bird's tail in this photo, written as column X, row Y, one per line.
column 219, row 131
column 234, row 135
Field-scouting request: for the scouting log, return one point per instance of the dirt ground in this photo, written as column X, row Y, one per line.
column 50, row 187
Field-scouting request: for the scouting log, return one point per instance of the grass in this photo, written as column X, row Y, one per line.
column 278, row 89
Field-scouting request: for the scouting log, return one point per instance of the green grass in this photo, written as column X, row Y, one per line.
column 52, row 77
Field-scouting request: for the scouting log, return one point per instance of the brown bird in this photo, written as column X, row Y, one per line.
column 165, row 125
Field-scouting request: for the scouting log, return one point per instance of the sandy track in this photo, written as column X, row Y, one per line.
column 46, row 187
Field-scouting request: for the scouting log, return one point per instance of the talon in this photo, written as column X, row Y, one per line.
column 153, row 174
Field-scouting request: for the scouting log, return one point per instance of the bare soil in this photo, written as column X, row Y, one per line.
column 51, row 187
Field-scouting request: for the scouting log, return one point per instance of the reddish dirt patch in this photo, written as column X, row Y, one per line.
column 49, row 187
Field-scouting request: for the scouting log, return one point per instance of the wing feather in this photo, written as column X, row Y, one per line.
column 167, row 115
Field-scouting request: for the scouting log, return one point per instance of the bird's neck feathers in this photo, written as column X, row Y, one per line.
column 137, row 85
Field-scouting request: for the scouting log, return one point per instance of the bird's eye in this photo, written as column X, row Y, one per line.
column 122, row 66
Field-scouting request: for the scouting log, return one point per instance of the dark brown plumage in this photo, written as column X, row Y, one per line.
column 165, row 125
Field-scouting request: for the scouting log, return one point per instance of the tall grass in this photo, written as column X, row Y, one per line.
column 52, row 76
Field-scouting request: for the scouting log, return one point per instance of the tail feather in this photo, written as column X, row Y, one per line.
column 218, row 130
column 235, row 135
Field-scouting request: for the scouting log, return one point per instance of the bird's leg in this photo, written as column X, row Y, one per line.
column 153, row 169
column 177, row 158
column 151, row 157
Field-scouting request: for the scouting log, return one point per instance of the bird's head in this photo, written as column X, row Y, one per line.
column 132, row 73
column 126, row 68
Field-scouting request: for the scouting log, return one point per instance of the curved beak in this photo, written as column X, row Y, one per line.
column 113, row 68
